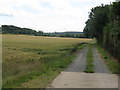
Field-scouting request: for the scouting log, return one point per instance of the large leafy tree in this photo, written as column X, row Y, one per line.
column 104, row 24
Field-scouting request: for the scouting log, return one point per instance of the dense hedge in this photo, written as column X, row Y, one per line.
column 104, row 24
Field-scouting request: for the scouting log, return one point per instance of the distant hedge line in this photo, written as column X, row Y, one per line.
column 10, row 29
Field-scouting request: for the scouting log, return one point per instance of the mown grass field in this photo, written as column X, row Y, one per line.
column 33, row 61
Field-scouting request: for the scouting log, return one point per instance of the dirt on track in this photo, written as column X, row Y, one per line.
column 73, row 77
column 79, row 64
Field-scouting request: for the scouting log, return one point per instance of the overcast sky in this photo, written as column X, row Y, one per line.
column 47, row 15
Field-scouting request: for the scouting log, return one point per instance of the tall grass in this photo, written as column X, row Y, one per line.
column 28, row 57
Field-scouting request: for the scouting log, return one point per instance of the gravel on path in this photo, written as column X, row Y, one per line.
column 73, row 77
column 79, row 64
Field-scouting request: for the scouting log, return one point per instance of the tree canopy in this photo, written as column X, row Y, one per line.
column 104, row 24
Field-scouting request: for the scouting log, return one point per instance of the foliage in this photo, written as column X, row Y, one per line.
column 10, row 29
column 104, row 24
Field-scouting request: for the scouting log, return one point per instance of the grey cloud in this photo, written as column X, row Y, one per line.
column 6, row 15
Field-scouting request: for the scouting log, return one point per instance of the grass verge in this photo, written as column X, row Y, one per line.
column 89, row 61
column 52, row 70
column 110, row 62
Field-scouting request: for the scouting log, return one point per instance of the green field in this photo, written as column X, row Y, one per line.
column 33, row 61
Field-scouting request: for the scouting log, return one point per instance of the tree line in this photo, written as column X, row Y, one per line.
column 10, row 29
column 104, row 25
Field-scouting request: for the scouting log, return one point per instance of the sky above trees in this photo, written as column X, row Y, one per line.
column 48, row 15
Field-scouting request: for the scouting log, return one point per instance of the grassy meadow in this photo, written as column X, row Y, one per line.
column 34, row 61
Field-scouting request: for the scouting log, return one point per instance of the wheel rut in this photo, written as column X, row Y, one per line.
column 78, row 65
column 74, row 77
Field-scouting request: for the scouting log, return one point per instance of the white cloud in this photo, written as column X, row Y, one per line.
column 61, row 17
column 60, row 3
